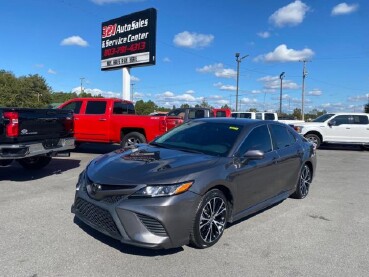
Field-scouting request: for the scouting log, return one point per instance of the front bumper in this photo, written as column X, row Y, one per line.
column 162, row 222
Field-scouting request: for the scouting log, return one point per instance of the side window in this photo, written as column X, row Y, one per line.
column 281, row 136
column 123, row 108
column 258, row 139
column 245, row 115
column 74, row 106
column 341, row 119
column 269, row 116
column 259, row 116
column 360, row 119
column 130, row 108
column 96, row 107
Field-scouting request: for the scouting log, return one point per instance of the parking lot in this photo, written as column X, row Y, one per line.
column 325, row 234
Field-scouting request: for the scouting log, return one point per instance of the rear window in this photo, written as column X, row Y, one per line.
column 123, row 108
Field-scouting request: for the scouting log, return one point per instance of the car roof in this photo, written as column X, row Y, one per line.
column 239, row 121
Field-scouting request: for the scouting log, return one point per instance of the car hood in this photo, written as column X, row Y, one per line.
column 147, row 165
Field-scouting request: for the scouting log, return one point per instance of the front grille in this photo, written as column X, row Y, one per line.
column 152, row 225
column 113, row 199
column 97, row 216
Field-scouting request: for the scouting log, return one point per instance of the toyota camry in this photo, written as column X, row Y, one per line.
column 187, row 185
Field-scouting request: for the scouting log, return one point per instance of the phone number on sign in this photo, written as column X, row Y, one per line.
column 125, row 49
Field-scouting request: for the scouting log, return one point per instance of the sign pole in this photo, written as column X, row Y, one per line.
column 126, row 84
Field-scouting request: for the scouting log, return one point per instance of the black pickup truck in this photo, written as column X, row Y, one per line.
column 33, row 136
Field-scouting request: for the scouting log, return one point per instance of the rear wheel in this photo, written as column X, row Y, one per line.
column 34, row 163
column 132, row 138
column 210, row 219
column 303, row 184
column 314, row 138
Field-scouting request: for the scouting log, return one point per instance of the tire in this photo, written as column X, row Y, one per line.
column 132, row 138
column 303, row 183
column 34, row 163
column 210, row 219
column 314, row 138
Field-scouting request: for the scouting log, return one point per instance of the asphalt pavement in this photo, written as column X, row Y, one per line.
column 325, row 234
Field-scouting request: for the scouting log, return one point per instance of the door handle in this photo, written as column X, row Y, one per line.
column 348, row 128
column 102, row 119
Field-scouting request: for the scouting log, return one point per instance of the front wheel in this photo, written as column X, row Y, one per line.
column 314, row 138
column 132, row 138
column 303, row 184
column 210, row 219
column 34, row 163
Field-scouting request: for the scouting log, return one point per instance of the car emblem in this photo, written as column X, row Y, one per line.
column 95, row 188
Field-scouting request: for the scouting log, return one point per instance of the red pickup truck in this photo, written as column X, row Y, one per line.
column 113, row 120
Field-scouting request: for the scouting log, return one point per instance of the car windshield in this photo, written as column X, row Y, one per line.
column 210, row 138
column 323, row 117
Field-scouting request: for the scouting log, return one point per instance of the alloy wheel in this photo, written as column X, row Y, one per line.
column 305, row 181
column 213, row 219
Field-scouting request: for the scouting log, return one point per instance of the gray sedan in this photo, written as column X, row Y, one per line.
column 185, row 186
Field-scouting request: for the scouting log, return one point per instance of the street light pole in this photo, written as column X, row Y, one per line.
column 281, row 76
column 238, row 60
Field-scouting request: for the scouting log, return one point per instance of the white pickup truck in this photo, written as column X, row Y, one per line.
column 265, row 116
column 341, row 128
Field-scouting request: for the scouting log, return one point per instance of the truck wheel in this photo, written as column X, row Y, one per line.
column 132, row 138
column 34, row 163
column 314, row 138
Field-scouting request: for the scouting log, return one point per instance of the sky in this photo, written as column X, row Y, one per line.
column 196, row 43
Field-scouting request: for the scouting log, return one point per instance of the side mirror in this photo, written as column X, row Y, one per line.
column 252, row 155
column 331, row 123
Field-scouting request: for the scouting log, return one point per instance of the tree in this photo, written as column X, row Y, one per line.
column 225, row 107
column 253, row 110
column 205, row 104
column 145, row 108
column 25, row 91
column 61, row 97
column 184, row 106
column 297, row 113
column 366, row 108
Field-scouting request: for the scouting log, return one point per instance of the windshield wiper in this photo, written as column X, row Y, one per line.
column 189, row 150
column 157, row 145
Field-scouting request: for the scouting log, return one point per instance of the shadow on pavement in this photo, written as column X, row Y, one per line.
column 341, row 147
column 96, row 148
column 125, row 248
column 15, row 172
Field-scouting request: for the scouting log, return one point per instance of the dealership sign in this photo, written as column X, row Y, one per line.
column 129, row 40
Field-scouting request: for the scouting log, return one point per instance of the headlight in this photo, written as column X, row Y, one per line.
column 162, row 190
column 81, row 179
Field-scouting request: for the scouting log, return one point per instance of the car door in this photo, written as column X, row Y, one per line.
column 339, row 129
column 359, row 128
column 93, row 123
column 290, row 155
column 255, row 179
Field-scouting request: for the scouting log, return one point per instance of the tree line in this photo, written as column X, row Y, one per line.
column 32, row 91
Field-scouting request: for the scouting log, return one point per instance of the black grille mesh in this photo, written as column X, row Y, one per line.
column 152, row 225
column 97, row 216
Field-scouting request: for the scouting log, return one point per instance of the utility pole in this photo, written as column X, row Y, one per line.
column 82, row 78
column 238, row 60
column 132, row 91
column 304, row 73
column 281, row 76
column 38, row 96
